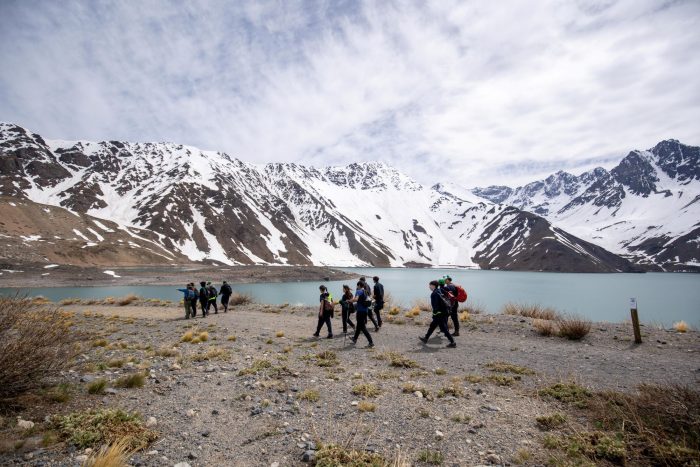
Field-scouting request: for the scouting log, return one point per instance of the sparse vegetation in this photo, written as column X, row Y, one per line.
column 100, row 343
column 365, row 406
column 473, row 378
column 501, row 380
column 116, row 454
column 522, row 456
column 94, row 427
column 440, row 371
column 116, row 363
column 504, row 367
column 240, row 299
column 366, row 390
column 127, row 300
column 279, row 334
column 256, row 367
column 452, row 390
column 574, row 328
column 213, row 353
column 134, row 380
column 530, row 311
column 327, row 358
column 399, row 361
column 310, row 395
column 549, row 422
column 680, row 326
column 333, row 455
column 231, row 338
column 35, row 343
column 431, row 457
column 60, row 393
column 98, row 386
column 569, row 393
column 544, row 327
column 166, row 352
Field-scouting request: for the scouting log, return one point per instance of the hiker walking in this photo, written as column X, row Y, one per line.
column 378, row 294
column 226, row 293
column 362, row 302
column 440, row 310
column 325, row 312
column 204, row 299
column 347, row 308
column 212, row 298
column 187, row 300
column 451, row 290
column 368, row 294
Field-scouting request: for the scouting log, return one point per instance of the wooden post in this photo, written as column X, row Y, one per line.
column 635, row 321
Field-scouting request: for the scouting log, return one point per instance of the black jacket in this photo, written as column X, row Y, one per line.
column 437, row 303
column 379, row 292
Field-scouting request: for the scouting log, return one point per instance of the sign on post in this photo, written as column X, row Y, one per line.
column 635, row 321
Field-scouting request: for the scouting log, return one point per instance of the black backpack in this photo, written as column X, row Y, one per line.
column 226, row 290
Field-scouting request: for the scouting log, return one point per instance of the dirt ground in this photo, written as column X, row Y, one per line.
column 218, row 411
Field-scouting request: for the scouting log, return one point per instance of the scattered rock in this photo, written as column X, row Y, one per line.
column 439, row 434
column 309, row 456
column 182, row 464
column 151, row 422
column 81, row 459
column 191, row 413
column 152, row 453
column 418, row 394
column 24, row 424
column 493, row 459
column 192, row 455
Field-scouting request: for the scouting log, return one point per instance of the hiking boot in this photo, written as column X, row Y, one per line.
column 423, row 339
column 329, row 336
column 452, row 345
column 376, row 329
column 353, row 340
column 455, row 334
column 316, row 335
column 370, row 345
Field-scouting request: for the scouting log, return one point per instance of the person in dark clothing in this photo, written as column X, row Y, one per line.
column 204, row 299
column 212, row 294
column 194, row 299
column 362, row 309
column 226, row 292
column 325, row 312
column 347, row 308
column 368, row 295
column 378, row 294
column 439, row 315
column 454, row 307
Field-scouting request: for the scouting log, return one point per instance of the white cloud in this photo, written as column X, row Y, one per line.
column 497, row 93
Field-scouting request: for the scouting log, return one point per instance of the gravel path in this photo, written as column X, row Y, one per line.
column 209, row 414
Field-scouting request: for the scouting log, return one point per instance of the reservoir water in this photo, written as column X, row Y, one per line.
column 662, row 298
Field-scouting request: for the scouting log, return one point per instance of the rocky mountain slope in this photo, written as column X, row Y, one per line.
column 204, row 205
column 646, row 208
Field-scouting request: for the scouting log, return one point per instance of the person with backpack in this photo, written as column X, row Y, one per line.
column 226, row 293
column 212, row 294
column 368, row 301
column 378, row 294
column 347, row 308
column 362, row 309
column 187, row 300
column 194, row 298
column 204, row 299
column 325, row 312
column 440, row 310
column 454, row 304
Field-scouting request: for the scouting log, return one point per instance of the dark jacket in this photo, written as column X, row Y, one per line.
column 203, row 294
column 226, row 290
column 379, row 292
column 437, row 303
column 346, row 304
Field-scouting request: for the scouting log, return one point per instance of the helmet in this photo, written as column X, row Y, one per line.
column 441, row 281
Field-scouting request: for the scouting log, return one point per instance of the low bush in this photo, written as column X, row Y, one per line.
column 310, row 395
column 98, row 386
column 333, row 455
column 431, row 457
column 530, row 311
column 573, row 327
column 549, row 422
column 95, row 427
column 134, row 380
column 365, row 406
column 569, row 393
column 279, row 334
column 544, row 327
column 213, row 353
column 327, row 358
column 127, row 300
column 240, row 299
column 60, row 393
column 399, row 361
column 35, row 343
column 256, row 367
column 501, row 380
column 366, row 390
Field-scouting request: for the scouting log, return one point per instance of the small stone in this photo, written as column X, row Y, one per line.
column 191, row 413
column 192, row 455
column 275, row 464
column 493, row 459
column 182, row 464
column 175, row 366
column 439, row 434
column 87, row 451
column 490, row 408
column 110, row 391
column 152, row 453
column 215, row 412
column 301, row 445
column 151, row 422
column 206, row 434
column 81, row 459
column 311, row 445
column 309, row 456
column 418, row 394
column 354, row 403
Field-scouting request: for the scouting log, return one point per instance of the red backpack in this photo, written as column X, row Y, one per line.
column 461, row 294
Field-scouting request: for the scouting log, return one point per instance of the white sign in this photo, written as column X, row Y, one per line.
column 633, row 303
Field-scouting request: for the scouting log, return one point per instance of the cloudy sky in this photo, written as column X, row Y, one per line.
column 493, row 92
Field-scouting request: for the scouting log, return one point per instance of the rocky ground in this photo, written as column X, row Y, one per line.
column 260, row 390
column 42, row 275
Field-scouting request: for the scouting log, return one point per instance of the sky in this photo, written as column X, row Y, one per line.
column 473, row 92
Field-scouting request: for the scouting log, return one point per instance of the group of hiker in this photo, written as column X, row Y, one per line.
column 367, row 302
column 206, row 296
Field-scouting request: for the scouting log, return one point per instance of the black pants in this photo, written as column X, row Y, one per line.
column 441, row 322
column 324, row 318
column 211, row 303
column 454, row 314
column 346, row 319
column 224, row 302
column 193, row 307
column 362, row 326
column 378, row 306
column 205, row 308
column 370, row 315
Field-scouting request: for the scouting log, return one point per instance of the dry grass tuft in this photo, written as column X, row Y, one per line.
column 231, row 338
column 430, row 457
column 213, row 353
column 187, row 337
column 35, row 343
column 505, row 367
column 116, row 454
column 569, row 393
column 240, row 299
column 98, row 386
column 366, row 390
column 365, row 406
column 127, row 300
column 549, row 422
column 422, row 305
column 310, row 395
column 134, row 380
column 530, row 311
column 333, row 455
column 574, row 328
column 680, row 326
column 544, row 327
column 94, row 427
column 279, row 334
column 399, row 361
column 394, row 310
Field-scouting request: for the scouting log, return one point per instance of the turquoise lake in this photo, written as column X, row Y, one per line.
column 662, row 298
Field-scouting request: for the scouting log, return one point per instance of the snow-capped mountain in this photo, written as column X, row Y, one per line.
column 646, row 208
column 209, row 206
